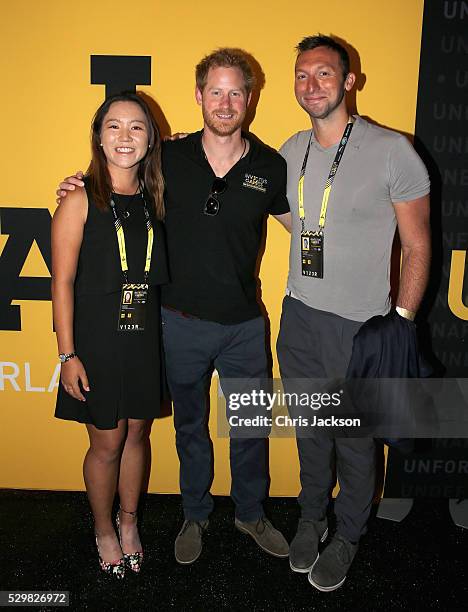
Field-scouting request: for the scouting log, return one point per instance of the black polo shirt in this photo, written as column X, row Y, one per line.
column 212, row 260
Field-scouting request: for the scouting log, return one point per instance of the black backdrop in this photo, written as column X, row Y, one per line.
column 441, row 138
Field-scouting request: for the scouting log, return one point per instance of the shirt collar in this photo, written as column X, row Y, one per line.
column 357, row 134
column 199, row 153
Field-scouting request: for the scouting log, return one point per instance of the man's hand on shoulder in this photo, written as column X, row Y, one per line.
column 69, row 184
column 176, row 136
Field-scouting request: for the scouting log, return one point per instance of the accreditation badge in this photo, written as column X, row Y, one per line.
column 312, row 254
column 132, row 312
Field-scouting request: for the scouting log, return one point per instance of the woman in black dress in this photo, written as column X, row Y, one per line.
column 108, row 259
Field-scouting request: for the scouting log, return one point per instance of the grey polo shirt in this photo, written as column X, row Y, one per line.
column 379, row 168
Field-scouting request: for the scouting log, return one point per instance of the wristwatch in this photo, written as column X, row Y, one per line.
column 64, row 357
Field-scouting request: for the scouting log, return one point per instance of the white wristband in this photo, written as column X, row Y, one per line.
column 405, row 313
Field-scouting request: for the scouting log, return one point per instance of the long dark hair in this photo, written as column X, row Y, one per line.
column 149, row 170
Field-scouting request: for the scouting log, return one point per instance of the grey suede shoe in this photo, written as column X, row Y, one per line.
column 189, row 544
column 303, row 552
column 267, row 537
column 329, row 571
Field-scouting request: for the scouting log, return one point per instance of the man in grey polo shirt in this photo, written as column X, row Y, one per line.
column 350, row 184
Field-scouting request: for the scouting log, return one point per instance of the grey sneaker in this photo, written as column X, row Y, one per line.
column 329, row 571
column 267, row 537
column 188, row 544
column 303, row 551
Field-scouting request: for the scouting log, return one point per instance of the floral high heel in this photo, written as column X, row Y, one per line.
column 113, row 568
column 132, row 560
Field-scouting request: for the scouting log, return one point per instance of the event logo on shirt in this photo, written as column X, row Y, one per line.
column 255, row 182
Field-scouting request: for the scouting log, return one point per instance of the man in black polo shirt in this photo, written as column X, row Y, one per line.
column 220, row 184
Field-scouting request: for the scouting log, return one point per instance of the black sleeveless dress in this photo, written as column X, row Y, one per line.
column 125, row 369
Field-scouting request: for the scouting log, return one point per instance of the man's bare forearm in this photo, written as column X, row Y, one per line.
column 414, row 276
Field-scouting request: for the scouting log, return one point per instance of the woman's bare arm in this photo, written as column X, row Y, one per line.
column 67, row 235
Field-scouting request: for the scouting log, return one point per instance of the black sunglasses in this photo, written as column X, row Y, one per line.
column 212, row 204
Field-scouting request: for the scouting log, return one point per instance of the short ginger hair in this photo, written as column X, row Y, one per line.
column 225, row 58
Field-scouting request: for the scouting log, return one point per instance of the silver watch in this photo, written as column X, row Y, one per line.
column 64, row 357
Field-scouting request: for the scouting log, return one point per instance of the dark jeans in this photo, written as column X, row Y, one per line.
column 317, row 344
column 192, row 347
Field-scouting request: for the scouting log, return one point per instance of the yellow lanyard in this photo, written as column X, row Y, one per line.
column 330, row 179
column 121, row 239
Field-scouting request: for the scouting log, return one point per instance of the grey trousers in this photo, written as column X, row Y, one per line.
column 317, row 344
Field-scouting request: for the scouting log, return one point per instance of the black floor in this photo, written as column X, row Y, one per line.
column 46, row 543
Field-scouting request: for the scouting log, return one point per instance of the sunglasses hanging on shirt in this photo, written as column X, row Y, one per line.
column 219, row 186
column 212, row 205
